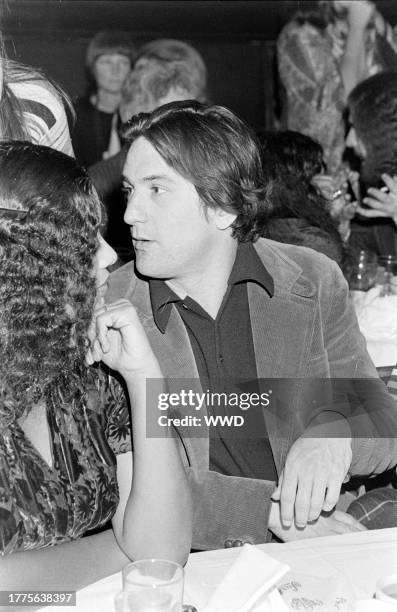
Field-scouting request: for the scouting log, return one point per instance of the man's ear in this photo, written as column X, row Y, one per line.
column 222, row 218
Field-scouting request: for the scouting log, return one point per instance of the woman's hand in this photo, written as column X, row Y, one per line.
column 383, row 202
column 118, row 339
column 341, row 208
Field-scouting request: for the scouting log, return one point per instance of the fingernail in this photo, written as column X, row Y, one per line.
column 287, row 523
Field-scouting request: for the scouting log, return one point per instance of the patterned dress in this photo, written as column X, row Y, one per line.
column 43, row 505
column 309, row 65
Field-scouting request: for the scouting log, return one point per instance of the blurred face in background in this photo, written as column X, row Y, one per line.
column 110, row 71
column 354, row 142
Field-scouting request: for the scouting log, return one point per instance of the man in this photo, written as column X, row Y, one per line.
column 218, row 306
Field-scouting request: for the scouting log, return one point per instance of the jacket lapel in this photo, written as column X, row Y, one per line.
column 281, row 331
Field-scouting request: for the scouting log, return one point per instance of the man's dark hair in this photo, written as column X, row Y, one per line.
column 373, row 113
column 318, row 13
column 214, row 150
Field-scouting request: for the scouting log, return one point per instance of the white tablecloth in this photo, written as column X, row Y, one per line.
column 357, row 560
column 377, row 318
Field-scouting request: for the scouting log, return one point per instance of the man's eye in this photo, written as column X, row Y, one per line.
column 126, row 190
column 157, row 190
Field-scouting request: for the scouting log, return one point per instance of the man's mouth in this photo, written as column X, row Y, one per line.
column 140, row 243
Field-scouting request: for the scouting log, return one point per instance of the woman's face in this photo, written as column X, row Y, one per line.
column 105, row 257
column 110, row 71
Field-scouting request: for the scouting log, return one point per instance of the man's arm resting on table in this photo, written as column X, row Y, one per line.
column 228, row 508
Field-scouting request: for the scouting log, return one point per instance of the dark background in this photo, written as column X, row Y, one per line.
column 235, row 38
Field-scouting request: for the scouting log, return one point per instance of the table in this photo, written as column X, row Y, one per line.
column 359, row 559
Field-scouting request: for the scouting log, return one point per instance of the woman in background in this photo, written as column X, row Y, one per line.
column 109, row 59
column 65, row 443
column 327, row 48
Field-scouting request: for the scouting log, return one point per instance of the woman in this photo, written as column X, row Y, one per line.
column 65, row 449
column 109, row 60
column 326, row 49
column 32, row 108
column 300, row 213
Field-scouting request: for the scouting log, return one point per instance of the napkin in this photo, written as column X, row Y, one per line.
column 328, row 593
column 249, row 584
column 377, row 316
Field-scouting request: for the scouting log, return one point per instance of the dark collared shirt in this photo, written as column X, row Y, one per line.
column 224, row 353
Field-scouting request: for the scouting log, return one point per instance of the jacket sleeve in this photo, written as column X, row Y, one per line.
column 373, row 411
column 228, row 508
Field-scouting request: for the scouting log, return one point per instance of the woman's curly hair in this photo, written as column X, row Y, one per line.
column 49, row 220
column 215, row 151
column 373, row 114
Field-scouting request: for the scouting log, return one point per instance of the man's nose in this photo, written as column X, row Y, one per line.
column 135, row 210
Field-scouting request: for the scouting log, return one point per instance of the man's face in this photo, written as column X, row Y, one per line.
column 172, row 234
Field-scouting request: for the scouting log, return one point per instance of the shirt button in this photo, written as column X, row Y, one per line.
column 221, row 358
column 228, row 543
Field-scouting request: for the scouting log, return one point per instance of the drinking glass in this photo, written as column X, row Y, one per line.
column 389, row 263
column 363, row 271
column 152, row 585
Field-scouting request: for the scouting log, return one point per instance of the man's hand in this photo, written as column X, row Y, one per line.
column 383, row 202
column 336, row 523
column 313, row 474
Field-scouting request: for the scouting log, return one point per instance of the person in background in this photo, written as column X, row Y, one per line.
column 109, row 59
column 171, row 50
column 153, row 82
column 300, row 213
column 373, row 137
column 323, row 52
column 31, row 107
column 66, row 462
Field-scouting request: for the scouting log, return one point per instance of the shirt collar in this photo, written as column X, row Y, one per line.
column 247, row 267
column 161, row 297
